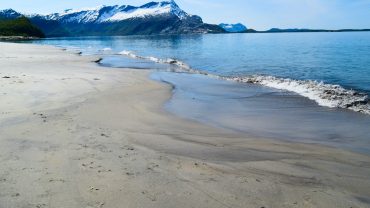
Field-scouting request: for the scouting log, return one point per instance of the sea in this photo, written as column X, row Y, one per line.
column 302, row 87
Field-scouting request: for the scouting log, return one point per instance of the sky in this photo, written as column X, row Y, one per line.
column 256, row 14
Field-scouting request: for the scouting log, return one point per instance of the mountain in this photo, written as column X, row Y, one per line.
column 104, row 14
column 152, row 18
column 9, row 14
column 18, row 26
column 233, row 28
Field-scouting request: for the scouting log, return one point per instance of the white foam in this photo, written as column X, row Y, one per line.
column 182, row 66
column 129, row 54
column 329, row 95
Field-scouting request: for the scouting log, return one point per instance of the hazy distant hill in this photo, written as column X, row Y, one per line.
column 278, row 30
column 152, row 18
column 234, row 28
column 20, row 26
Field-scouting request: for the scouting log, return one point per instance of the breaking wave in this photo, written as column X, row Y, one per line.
column 328, row 95
column 156, row 60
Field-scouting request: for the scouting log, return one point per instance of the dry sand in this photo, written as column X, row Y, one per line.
column 76, row 135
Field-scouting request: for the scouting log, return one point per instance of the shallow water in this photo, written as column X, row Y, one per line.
column 265, row 112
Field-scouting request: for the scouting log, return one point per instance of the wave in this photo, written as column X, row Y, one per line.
column 180, row 66
column 328, row 95
column 106, row 49
column 156, row 60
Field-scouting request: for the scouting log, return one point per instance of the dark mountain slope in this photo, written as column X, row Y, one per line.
column 20, row 26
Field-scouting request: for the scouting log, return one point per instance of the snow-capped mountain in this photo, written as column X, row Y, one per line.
column 233, row 27
column 164, row 17
column 9, row 14
column 103, row 14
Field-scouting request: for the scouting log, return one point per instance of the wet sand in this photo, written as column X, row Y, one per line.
column 259, row 111
column 74, row 134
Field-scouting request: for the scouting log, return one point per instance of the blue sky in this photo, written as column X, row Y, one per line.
column 258, row 14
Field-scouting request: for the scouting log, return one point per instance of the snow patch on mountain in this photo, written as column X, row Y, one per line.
column 140, row 12
column 116, row 13
column 9, row 13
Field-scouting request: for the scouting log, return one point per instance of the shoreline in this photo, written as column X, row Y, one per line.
column 74, row 134
column 262, row 112
column 330, row 95
column 17, row 38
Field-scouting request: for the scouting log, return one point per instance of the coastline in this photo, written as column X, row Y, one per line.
column 75, row 134
column 263, row 112
column 17, row 38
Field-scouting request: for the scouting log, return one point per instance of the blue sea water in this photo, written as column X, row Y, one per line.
column 323, row 67
column 335, row 58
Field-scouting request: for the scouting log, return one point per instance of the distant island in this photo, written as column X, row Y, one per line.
column 240, row 28
column 154, row 18
column 278, row 30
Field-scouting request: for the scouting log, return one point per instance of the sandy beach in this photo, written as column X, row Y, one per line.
column 74, row 134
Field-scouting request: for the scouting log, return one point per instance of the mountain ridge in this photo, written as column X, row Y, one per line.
column 164, row 17
column 153, row 18
column 118, row 12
